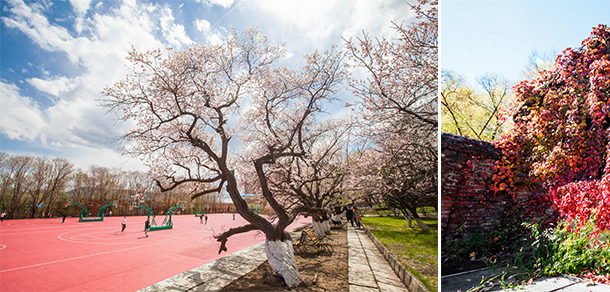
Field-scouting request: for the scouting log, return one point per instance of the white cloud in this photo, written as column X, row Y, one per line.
column 20, row 117
column 374, row 17
column 173, row 33
column 223, row 3
column 202, row 25
column 314, row 19
column 53, row 86
column 212, row 36
column 307, row 25
column 84, row 157
column 80, row 6
column 75, row 124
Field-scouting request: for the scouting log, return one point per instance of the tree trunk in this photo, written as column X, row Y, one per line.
column 281, row 259
column 326, row 224
column 422, row 225
column 317, row 228
column 407, row 217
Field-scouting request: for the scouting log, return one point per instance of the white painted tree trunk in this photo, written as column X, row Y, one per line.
column 318, row 229
column 326, row 224
column 280, row 255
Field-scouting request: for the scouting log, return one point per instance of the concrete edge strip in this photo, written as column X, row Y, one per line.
column 406, row 277
column 463, row 273
column 211, row 275
column 188, row 280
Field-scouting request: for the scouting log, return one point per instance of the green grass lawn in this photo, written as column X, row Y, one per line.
column 417, row 250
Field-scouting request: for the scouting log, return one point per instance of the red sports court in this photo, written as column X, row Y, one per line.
column 46, row 255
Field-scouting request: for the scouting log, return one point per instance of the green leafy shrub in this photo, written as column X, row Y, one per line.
column 580, row 251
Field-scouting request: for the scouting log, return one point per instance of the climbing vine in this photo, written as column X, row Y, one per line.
column 559, row 143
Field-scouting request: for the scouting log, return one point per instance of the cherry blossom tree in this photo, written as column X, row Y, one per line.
column 402, row 174
column 309, row 184
column 399, row 108
column 188, row 106
column 402, row 75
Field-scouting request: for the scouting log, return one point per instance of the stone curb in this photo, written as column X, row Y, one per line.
column 216, row 275
column 411, row 282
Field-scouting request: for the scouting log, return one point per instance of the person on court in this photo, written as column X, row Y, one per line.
column 206, row 219
column 63, row 219
column 146, row 227
column 124, row 223
column 201, row 219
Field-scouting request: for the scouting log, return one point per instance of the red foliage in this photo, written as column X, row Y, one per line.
column 559, row 144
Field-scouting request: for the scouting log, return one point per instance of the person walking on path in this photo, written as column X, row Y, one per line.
column 124, row 223
column 63, row 218
column 146, row 227
column 233, row 216
column 350, row 215
column 357, row 218
column 201, row 219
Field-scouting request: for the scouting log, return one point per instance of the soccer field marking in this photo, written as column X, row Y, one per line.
column 85, row 256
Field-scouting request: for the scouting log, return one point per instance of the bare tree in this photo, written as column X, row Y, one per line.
column 468, row 112
column 21, row 168
column 57, row 182
column 49, row 177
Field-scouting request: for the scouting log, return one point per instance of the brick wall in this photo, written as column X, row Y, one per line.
column 466, row 171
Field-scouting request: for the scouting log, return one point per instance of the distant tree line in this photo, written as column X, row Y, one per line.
column 43, row 187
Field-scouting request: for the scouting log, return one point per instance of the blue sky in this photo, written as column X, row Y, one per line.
column 481, row 36
column 56, row 57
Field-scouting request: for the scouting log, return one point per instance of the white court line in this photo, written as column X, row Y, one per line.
column 2, row 246
column 40, row 231
column 85, row 256
column 130, row 235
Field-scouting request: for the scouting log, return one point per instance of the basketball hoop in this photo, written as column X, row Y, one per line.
column 69, row 202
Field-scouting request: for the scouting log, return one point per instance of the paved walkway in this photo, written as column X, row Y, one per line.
column 467, row 281
column 368, row 270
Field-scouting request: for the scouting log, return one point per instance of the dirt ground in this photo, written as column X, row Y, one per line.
column 319, row 272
